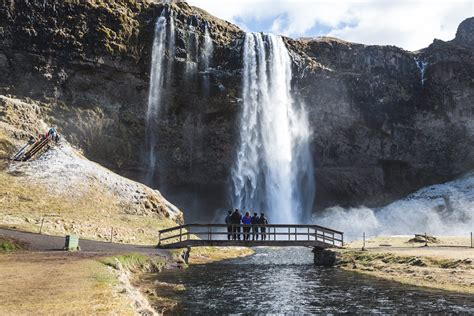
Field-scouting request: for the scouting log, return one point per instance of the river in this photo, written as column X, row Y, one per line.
column 278, row 281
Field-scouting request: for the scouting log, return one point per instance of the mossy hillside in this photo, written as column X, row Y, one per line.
column 431, row 271
column 135, row 262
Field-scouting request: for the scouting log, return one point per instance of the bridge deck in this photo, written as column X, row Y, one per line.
column 194, row 235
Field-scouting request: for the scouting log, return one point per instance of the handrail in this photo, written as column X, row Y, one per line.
column 36, row 147
column 314, row 233
column 256, row 225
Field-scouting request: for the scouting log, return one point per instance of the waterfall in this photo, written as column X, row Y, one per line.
column 172, row 46
column 422, row 68
column 208, row 49
column 163, row 43
column 206, row 58
column 273, row 171
column 192, row 48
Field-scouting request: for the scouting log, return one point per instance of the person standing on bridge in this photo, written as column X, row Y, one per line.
column 263, row 221
column 236, row 219
column 247, row 221
column 255, row 221
column 228, row 221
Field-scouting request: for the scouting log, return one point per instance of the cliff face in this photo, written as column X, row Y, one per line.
column 382, row 126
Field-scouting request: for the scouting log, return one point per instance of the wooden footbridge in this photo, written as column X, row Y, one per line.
column 278, row 235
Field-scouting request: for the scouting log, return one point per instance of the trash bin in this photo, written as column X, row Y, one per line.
column 72, row 243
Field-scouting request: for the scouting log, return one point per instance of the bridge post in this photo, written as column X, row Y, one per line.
column 186, row 254
column 324, row 257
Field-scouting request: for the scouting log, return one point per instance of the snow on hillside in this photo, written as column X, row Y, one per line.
column 66, row 172
column 443, row 209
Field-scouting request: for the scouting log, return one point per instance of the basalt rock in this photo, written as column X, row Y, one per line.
column 381, row 127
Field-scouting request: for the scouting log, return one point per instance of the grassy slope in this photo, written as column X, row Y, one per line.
column 24, row 204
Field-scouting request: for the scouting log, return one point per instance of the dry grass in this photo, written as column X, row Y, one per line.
column 24, row 204
column 203, row 255
column 53, row 284
column 447, row 264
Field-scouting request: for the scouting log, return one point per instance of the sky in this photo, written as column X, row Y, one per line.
column 410, row 24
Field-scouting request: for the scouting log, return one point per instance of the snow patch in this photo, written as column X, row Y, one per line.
column 442, row 209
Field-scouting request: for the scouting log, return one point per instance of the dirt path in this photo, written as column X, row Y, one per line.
column 37, row 242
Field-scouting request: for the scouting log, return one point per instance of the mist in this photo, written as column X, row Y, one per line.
column 443, row 209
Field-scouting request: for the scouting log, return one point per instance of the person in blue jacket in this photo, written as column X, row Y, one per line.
column 247, row 221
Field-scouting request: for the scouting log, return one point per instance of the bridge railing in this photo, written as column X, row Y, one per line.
column 273, row 232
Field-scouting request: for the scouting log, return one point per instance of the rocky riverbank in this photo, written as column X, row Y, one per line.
column 447, row 264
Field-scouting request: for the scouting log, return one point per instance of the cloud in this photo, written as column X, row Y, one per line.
column 411, row 24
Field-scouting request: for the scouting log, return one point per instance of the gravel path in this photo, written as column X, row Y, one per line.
column 40, row 242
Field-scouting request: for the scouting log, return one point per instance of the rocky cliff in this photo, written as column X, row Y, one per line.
column 385, row 121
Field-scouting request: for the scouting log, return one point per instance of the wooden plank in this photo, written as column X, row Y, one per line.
column 170, row 237
column 173, row 228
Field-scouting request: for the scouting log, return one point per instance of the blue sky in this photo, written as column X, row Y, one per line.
column 411, row 24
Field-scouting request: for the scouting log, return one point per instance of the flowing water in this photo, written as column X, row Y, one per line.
column 207, row 50
column 273, row 171
column 206, row 59
column 160, row 76
column 277, row 281
column 421, row 64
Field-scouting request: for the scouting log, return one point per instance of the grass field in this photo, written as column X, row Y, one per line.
column 447, row 264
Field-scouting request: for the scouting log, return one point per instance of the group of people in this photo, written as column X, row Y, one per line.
column 234, row 220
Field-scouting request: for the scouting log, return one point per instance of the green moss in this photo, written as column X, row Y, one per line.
column 135, row 262
column 7, row 245
column 179, row 288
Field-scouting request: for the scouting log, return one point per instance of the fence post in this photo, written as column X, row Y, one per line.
column 471, row 239
column 41, row 227
column 111, row 234
column 159, row 238
column 180, row 233
column 426, row 240
column 363, row 238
